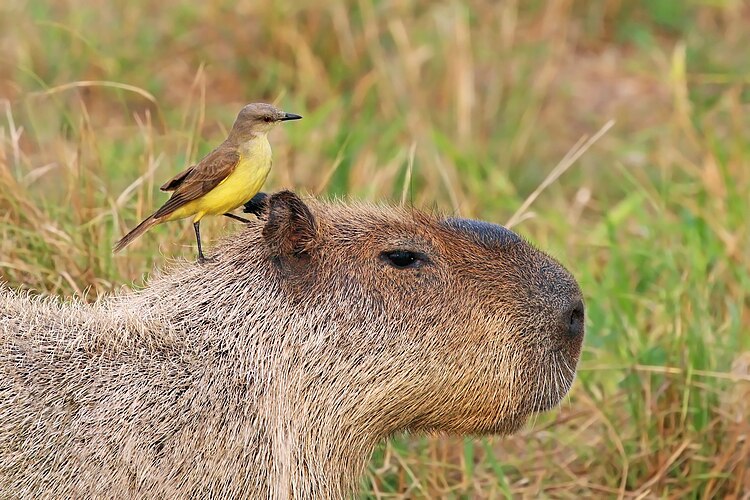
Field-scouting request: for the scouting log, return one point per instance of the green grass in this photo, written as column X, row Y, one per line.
column 474, row 103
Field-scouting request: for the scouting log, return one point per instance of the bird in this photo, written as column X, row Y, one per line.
column 227, row 177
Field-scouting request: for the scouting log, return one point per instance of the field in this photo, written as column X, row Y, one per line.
column 473, row 107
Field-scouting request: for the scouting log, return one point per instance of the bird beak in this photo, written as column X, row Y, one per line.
column 290, row 116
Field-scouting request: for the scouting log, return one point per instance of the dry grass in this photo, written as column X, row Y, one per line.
column 466, row 106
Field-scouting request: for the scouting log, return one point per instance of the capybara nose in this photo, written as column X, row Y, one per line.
column 572, row 320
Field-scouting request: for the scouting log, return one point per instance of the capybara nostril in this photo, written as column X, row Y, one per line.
column 573, row 319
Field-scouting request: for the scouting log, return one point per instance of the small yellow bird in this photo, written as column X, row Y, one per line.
column 229, row 176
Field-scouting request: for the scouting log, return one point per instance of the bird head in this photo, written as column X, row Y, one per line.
column 258, row 118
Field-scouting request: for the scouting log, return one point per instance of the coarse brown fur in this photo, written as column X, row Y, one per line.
column 274, row 371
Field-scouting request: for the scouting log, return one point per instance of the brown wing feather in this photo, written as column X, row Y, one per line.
column 205, row 176
column 175, row 181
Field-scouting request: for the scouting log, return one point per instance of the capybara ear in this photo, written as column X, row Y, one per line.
column 291, row 229
column 258, row 205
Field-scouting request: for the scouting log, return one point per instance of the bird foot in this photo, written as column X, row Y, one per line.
column 202, row 259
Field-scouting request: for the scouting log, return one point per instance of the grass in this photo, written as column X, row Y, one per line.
column 465, row 106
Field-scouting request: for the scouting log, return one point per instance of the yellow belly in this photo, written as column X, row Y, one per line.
column 239, row 186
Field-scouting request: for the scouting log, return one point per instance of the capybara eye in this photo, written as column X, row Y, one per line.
column 403, row 259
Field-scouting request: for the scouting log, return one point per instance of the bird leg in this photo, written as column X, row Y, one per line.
column 201, row 258
column 237, row 217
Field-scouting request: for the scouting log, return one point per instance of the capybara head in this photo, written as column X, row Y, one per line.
column 438, row 323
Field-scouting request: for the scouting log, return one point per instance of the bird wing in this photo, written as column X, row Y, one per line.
column 175, row 181
column 200, row 179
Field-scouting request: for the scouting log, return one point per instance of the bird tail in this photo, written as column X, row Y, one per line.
column 135, row 232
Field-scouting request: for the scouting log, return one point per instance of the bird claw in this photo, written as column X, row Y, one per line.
column 205, row 260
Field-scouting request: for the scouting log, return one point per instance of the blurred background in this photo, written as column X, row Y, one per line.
column 461, row 106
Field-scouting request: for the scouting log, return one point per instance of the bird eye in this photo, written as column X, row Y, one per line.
column 267, row 119
column 404, row 259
